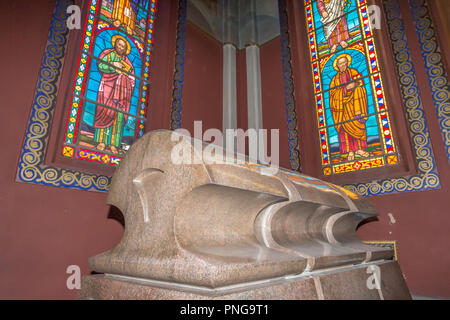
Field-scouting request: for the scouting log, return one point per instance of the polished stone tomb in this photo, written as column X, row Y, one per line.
column 234, row 229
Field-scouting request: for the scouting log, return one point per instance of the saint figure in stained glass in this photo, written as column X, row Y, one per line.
column 352, row 113
column 348, row 104
column 110, row 92
column 335, row 22
column 114, row 94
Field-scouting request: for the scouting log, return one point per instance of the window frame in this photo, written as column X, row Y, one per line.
column 41, row 160
column 309, row 144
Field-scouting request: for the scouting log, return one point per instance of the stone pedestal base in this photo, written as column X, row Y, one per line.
column 336, row 283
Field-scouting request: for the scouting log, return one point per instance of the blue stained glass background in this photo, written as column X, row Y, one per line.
column 318, row 24
column 358, row 62
column 142, row 3
column 103, row 42
column 352, row 24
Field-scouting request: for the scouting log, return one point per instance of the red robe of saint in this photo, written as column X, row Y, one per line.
column 116, row 89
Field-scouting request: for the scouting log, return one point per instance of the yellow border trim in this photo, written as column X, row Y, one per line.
column 393, row 242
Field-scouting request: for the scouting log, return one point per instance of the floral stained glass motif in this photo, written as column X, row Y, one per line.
column 110, row 92
column 352, row 115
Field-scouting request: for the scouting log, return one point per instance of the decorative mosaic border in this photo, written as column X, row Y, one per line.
column 294, row 154
column 177, row 95
column 437, row 74
column 427, row 177
column 31, row 166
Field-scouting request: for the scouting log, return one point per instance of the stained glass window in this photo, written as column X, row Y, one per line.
column 352, row 113
column 110, row 91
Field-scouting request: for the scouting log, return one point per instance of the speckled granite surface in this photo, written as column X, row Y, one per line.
column 350, row 284
column 213, row 223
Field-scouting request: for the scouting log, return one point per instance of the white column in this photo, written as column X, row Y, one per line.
column 229, row 100
column 229, row 120
column 254, row 97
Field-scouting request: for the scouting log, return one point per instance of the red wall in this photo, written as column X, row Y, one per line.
column 202, row 87
column 420, row 225
column 273, row 102
column 422, row 219
column 43, row 229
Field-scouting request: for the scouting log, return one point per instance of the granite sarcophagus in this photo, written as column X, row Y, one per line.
column 234, row 229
